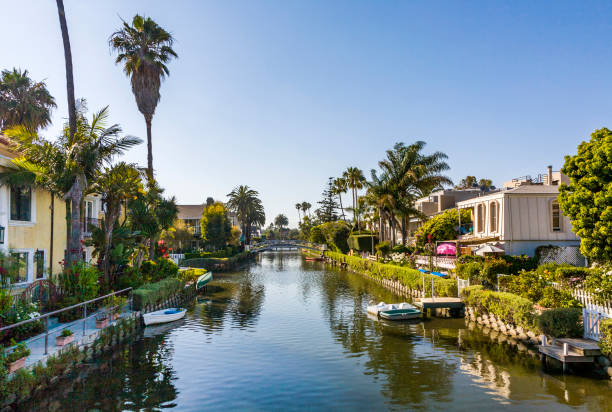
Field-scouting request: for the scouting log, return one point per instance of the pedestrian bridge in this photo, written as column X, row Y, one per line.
column 286, row 244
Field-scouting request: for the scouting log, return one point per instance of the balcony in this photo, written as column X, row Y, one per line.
column 88, row 224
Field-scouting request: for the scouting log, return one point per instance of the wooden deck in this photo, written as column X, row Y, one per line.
column 439, row 303
column 571, row 350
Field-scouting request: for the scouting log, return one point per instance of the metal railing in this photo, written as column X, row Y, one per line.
column 45, row 317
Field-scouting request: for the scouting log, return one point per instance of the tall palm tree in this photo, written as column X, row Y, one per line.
column 249, row 210
column 23, row 101
column 72, row 111
column 298, row 206
column 355, row 180
column 281, row 221
column 144, row 48
column 339, row 186
column 306, row 207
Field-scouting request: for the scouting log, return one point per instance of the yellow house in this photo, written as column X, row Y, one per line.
column 25, row 226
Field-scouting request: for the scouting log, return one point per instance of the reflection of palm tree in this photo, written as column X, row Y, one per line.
column 248, row 303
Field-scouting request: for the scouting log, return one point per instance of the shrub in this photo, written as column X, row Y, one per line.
column 316, row 235
column 362, row 242
column 571, row 275
column 212, row 263
column 19, row 351
column 66, row 332
column 468, row 270
column 555, row 298
column 599, row 282
column 409, row 277
column 561, row 322
column 191, row 274
column 520, row 263
column 80, row 281
column 529, row 285
column 605, row 340
column 442, row 226
column 402, row 249
column 491, row 268
column 154, row 293
column 131, row 277
column 383, row 248
column 508, row 307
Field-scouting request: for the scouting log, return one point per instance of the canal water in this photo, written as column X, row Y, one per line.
column 286, row 334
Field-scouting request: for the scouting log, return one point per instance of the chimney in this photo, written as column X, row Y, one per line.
column 549, row 179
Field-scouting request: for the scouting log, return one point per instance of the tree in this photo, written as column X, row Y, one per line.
column 23, row 101
column 355, row 180
column 116, row 185
column 216, row 228
column 442, row 226
column 249, row 210
column 281, row 221
column 485, row 184
column 467, row 183
column 327, row 211
column 306, row 207
column 144, row 48
column 72, row 110
column 339, row 186
column 587, row 200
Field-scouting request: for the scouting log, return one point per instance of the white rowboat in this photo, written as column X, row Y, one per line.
column 164, row 316
column 382, row 306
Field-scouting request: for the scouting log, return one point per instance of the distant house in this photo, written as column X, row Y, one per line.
column 189, row 216
column 520, row 218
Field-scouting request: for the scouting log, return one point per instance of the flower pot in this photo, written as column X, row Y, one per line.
column 64, row 340
column 101, row 323
column 15, row 366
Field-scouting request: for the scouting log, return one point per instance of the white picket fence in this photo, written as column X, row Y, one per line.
column 593, row 311
column 177, row 257
column 591, row 315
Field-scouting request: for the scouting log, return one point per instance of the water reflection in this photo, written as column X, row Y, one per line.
column 290, row 334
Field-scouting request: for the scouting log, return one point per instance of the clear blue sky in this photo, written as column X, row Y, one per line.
column 281, row 95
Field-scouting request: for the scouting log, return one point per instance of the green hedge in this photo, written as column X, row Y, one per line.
column 210, row 263
column 412, row 278
column 362, row 243
column 605, row 339
column 154, row 293
column 561, row 323
column 508, row 307
column 191, row 274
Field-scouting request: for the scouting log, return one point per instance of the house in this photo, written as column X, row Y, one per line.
column 439, row 201
column 26, row 232
column 521, row 217
column 189, row 217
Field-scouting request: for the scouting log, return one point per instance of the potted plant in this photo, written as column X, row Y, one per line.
column 16, row 359
column 118, row 304
column 64, row 338
column 101, row 321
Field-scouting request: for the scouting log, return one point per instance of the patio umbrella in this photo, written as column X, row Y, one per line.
column 446, row 249
column 488, row 249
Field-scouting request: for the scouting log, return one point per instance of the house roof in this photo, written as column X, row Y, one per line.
column 519, row 190
column 190, row 211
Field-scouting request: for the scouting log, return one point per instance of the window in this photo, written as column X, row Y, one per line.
column 21, row 261
column 481, row 218
column 556, row 216
column 39, row 264
column 493, row 216
column 21, row 203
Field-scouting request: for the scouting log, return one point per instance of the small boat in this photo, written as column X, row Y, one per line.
column 203, row 280
column 164, row 316
column 382, row 306
column 314, row 259
column 400, row 314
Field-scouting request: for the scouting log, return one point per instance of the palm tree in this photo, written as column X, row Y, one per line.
column 23, row 101
column 74, row 162
column 116, row 184
column 249, row 210
column 306, row 207
column 339, row 186
column 72, row 111
column 144, row 48
column 298, row 206
column 355, row 181
column 280, row 221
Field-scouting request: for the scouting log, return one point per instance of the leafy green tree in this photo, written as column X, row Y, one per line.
column 442, row 227
column 216, row 228
column 144, row 48
column 467, row 182
column 23, row 101
column 281, row 221
column 587, row 200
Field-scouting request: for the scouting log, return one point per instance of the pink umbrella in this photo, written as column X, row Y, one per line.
column 446, row 249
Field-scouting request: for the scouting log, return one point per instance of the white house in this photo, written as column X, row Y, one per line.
column 521, row 218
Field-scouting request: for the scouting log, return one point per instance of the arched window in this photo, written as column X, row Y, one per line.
column 555, row 214
column 493, row 216
column 481, row 218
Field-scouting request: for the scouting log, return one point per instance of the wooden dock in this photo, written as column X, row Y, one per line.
column 445, row 306
column 570, row 350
